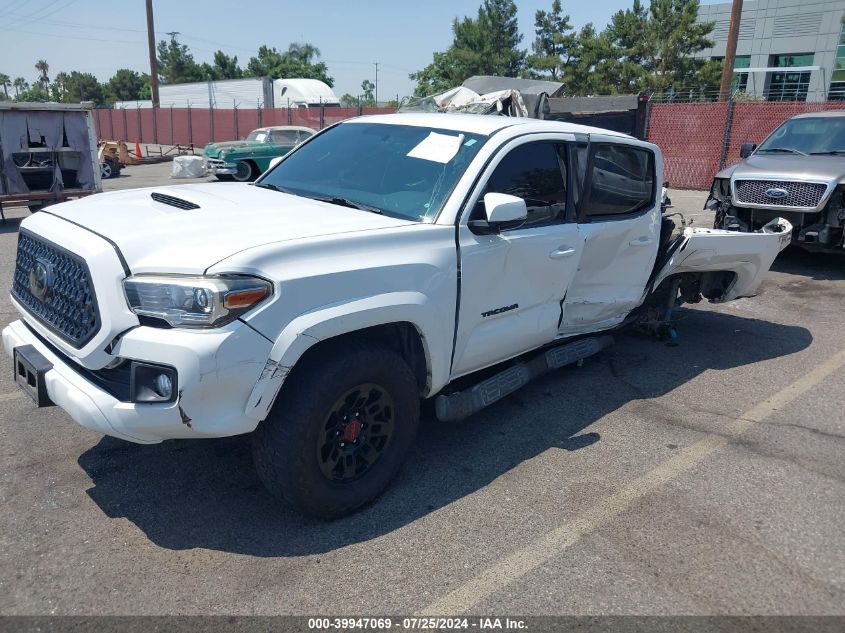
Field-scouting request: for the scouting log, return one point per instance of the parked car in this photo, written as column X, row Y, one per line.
column 386, row 260
column 798, row 173
column 245, row 160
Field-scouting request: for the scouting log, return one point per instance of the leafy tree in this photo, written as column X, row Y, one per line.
column 628, row 35
column 6, row 82
column 20, row 84
column 224, row 67
column 349, row 101
column 59, row 87
column 486, row 45
column 43, row 67
column 126, row 85
column 368, row 87
column 296, row 62
column 444, row 72
column 82, row 87
column 554, row 43
column 640, row 50
column 176, row 65
column 674, row 36
column 35, row 93
column 590, row 70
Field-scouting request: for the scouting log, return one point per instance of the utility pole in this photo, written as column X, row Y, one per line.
column 730, row 51
column 376, row 93
column 151, row 42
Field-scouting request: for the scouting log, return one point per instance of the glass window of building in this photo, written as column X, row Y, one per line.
column 837, row 80
column 739, row 82
column 789, row 86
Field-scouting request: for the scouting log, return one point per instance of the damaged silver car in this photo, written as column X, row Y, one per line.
column 797, row 173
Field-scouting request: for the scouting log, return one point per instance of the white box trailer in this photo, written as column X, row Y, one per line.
column 249, row 94
column 48, row 153
column 299, row 93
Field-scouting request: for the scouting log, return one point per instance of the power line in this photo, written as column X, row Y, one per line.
column 37, row 15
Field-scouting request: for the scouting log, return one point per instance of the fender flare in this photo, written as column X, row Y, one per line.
column 347, row 317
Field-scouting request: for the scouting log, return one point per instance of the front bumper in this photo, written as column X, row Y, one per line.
column 218, row 167
column 217, row 371
column 811, row 231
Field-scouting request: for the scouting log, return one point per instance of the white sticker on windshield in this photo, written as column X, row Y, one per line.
column 439, row 148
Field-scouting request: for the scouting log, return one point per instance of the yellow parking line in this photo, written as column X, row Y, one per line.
column 543, row 549
column 14, row 395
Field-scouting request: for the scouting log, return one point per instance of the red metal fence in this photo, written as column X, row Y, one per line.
column 697, row 139
column 184, row 126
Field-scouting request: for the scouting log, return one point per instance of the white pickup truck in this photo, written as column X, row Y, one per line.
column 375, row 265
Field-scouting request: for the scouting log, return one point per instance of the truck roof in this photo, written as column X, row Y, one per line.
column 483, row 124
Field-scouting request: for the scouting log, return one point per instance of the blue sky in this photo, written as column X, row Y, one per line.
column 100, row 37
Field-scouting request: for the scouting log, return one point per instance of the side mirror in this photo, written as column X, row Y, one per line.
column 275, row 161
column 746, row 149
column 503, row 212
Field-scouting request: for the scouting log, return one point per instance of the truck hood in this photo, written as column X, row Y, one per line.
column 788, row 167
column 157, row 237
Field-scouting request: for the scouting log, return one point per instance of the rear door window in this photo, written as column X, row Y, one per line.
column 621, row 181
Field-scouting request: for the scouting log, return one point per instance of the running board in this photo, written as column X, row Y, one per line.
column 463, row 404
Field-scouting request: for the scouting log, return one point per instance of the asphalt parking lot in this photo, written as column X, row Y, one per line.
column 702, row 478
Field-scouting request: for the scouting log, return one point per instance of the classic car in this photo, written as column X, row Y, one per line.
column 245, row 160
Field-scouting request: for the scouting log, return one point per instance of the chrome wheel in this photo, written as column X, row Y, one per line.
column 244, row 171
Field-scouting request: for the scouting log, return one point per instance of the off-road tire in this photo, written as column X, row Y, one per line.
column 285, row 446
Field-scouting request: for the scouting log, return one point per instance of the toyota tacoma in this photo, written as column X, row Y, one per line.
column 386, row 260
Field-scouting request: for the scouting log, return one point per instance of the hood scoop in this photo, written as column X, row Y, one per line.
column 173, row 201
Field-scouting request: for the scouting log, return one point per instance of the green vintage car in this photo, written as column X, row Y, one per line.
column 245, row 160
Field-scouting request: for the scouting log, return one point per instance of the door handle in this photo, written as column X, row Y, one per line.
column 641, row 241
column 563, row 251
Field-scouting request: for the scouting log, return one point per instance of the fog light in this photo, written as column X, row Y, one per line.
column 152, row 383
column 164, row 386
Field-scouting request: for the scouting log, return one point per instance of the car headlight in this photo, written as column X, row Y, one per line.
column 721, row 189
column 195, row 301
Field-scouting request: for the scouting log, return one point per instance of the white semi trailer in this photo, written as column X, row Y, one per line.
column 253, row 93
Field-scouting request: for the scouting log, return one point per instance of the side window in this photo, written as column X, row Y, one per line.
column 284, row 137
column 621, row 181
column 535, row 172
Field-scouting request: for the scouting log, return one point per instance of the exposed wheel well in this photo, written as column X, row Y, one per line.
column 403, row 338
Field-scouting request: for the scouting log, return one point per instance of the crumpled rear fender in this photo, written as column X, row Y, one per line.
column 749, row 255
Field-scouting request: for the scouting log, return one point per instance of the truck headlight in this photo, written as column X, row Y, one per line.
column 721, row 189
column 195, row 301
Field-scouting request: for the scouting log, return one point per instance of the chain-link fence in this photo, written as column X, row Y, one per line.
column 199, row 126
column 698, row 139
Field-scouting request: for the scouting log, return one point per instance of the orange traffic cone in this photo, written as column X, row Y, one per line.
column 137, row 149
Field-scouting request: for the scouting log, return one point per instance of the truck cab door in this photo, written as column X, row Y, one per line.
column 512, row 283
column 619, row 224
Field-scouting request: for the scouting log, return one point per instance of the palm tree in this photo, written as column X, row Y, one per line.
column 43, row 67
column 60, row 84
column 20, row 85
column 5, row 81
column 301, row 52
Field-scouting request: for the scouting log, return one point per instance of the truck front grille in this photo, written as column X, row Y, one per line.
column 804, row 195
column 55, row 287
